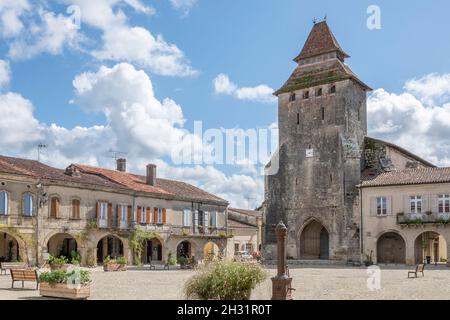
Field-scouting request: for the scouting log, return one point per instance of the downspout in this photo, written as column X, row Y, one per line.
column 361, row 233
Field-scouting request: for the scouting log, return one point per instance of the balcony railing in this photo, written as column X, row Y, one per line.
column 423, row 218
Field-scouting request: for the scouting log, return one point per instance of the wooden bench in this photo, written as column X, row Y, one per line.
column 4, row 266
column 24, row 275
column 419, row 268
column 153, row 266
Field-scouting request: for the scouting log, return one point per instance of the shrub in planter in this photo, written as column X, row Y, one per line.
column 182, row 261
column 58, row 263
column 65, row 284
column 119, row 264
column 171, row 260
column 225, row 281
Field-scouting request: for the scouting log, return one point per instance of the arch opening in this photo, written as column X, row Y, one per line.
column 430, row 247
column 314, row 242
column 185, row 249
column 391, row 248
column 152, row 251
column 62, row 245
column 9, row 248
column 110, row 246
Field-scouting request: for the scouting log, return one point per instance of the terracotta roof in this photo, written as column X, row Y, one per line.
column 163, row 187
column 322, row 73
column 320, row 41
column 38, row 170
column 252, row 213
column 408, row 177
column 239, row 224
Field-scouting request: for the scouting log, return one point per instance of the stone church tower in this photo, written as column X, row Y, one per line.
column 322, row 126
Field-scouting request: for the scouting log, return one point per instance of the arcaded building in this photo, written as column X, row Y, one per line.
column 96, row 212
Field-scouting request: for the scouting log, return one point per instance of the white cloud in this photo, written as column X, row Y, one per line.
column 431, row 89
column 262, row 93
column 183, row 5
column 411, row 120
column 10, row 16
column 31, row 30
column 124, row 42
column 51, row 35
column 5, row 73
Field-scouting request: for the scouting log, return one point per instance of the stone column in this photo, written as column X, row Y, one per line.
column 281, row 284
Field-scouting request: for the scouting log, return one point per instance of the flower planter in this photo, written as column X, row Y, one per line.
column 61, row 290
column 111, row 267
column 63, row 267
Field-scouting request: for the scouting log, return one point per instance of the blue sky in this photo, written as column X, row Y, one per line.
column 253, row 42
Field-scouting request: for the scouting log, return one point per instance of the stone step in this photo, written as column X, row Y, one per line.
column 308, row 262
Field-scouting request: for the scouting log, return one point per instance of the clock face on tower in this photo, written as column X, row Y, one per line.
column 309, row 153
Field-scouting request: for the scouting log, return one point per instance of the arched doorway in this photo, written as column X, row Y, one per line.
column 211, row 250
column 314, row 242
column 152, row 251
column 391, row 248
column 9, row 248
column 110, row 246
column 430, row 247
column 62, row 245
column 185, row 249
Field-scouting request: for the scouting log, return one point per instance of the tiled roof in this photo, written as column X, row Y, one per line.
column 239, row 224
column 252, row 213
column 241, row 218
column 162, row 188
column 320, row 41
column 323, row 73
column 38, row 170
column 408, row 177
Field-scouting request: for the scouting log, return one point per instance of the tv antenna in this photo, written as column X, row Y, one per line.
column 248, row 201
column 117, row 154
column 40, row 147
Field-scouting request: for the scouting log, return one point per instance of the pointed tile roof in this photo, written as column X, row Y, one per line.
column 320, row 41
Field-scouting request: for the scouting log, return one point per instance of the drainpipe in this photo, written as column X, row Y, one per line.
column 39, row 195
column 361, row 233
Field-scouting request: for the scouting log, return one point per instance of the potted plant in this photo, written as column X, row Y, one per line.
column 58, row 263
column 119, row 264
column 183, row 261
column 73, row 284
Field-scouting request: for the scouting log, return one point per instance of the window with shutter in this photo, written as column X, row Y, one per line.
column 148, row 215
column 27, row 205
column 4, row 203
column 187, row 219
column 139, row 215
column 206, row 221
column 75, row 209
column 196, row 221
column 444, row 203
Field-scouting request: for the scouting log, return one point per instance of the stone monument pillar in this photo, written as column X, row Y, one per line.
column 281, row 283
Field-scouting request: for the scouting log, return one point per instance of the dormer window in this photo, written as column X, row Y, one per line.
column 306, row 95
column 292, row 97
column 319, row 92
column 333, row 89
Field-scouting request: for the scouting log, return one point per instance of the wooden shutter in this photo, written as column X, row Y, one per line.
column 407, row 204
column 373, row 206
column 118, row 214
column 53, row 208
column 164, row 216
column 434, row 205
column 389, row 206
column 110, row 215
column 75, row 209
column 425, row 203
column 130, row 215
column 155, row 215
column 148, row 213
column 139, row 215
column 97, row 209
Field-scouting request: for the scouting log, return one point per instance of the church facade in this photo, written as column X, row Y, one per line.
column 326, row 160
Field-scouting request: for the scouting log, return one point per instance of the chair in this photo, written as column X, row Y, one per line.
column 419, row 268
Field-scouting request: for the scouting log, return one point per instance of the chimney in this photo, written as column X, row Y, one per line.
column 122, row 165
column 151, row 174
